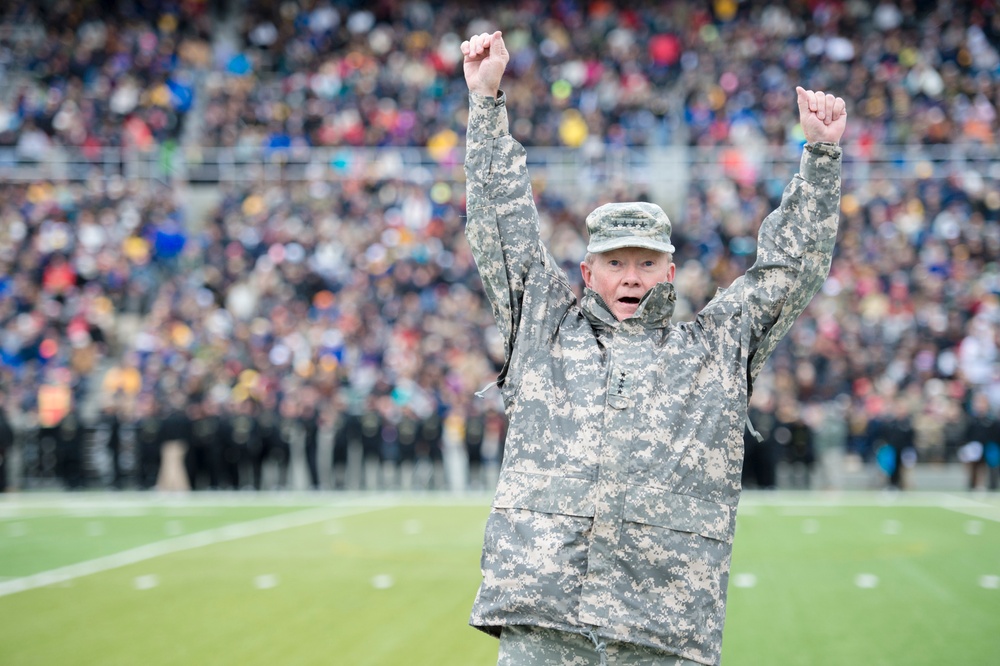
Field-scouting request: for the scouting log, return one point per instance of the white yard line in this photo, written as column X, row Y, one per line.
column 14, row 505
column 796, row 503
column 177, row 544
column 970, row 506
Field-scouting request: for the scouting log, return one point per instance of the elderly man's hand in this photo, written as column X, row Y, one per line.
column 485, row 61
column 822, row 115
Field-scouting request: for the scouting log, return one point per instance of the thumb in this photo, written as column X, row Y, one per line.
column 803, row 99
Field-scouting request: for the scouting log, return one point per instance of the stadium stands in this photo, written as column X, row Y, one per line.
column 326, row 287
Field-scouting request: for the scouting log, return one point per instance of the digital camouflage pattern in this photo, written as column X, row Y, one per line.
column 534, row 646
column 616, row 503
column 629, row 224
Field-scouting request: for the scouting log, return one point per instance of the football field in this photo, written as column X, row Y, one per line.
column 359, row 579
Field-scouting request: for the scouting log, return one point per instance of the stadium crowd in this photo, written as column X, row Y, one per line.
column 346, row 306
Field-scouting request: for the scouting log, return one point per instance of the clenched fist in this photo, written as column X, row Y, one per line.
column 822, row 115
column 485, row 61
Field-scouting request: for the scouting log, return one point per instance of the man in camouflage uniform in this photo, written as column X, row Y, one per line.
column 610, row 535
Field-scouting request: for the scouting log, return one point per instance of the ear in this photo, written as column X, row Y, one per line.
column 671, row 271
column 586, row 273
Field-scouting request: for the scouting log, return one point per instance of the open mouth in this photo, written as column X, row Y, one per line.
column 630, row 300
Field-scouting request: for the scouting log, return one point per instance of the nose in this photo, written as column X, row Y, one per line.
column 631, row 275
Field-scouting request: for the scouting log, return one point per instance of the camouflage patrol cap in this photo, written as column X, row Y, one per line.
column 629, row 224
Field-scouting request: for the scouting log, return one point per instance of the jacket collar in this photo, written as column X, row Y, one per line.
column 655, row 309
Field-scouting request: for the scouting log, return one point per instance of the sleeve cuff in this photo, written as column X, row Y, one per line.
column 487, row 117
column 820, row 162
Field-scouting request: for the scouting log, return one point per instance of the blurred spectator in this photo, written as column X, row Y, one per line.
column 242, row 445
column 930, row 425
column 430, row 455
column 494, row 440
column 371, row 446
column 174, row 437
column 147, row 427
column 69, row 450
column 982, row 438
column 399, row 440
column 347, row 437
column 6, row 444
column 204, row 457
column 795, row 439
column 270, row 442
column 310, row 424
column 894, row 440
column 473, row 424
column 760, row 450
column 109, row 431
column 829, row 424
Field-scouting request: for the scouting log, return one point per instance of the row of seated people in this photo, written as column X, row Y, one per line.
column 338, row 73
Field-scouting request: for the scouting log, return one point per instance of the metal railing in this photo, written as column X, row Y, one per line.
column 557, row 166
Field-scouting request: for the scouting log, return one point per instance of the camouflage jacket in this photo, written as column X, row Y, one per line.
column 616, row 504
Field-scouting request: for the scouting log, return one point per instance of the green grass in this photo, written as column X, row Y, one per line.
column 373, row 580
column 927, row 604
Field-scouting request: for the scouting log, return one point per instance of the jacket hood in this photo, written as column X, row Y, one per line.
column 655, row 309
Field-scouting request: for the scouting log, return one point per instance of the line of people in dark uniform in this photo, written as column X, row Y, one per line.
column 228, row 446
column 777, row 437
column 250, row 444
column 783, row 436
column 222, row 448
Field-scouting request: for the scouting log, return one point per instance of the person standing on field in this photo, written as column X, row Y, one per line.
column 610, row 535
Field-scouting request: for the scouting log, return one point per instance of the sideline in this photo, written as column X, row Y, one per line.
column 977, row 507
column 178, row 544
column 984, row 505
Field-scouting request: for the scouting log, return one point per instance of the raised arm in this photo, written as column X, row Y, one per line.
column 502, row 225
column 795, row 242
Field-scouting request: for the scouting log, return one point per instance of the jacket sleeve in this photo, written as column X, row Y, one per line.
column 502, row 226
column 794, row 251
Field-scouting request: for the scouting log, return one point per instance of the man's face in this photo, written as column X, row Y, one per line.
column 623, row 276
